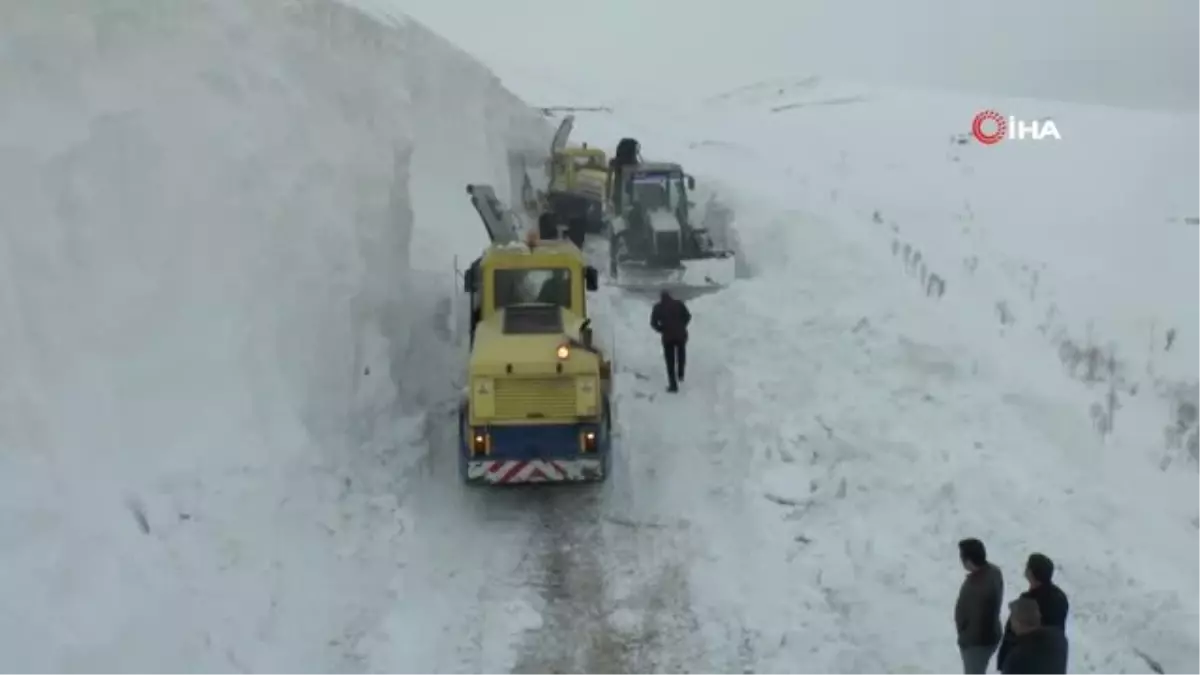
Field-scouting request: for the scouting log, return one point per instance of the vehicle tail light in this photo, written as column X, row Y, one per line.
column 587, row 440
column 481, row 442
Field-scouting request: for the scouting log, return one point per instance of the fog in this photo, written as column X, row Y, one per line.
column 1115, row 52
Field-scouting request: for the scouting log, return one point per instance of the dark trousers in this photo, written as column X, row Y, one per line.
column 675, row 355
column 975, row 659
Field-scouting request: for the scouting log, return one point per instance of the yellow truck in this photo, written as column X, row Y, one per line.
column 536, row 407
column 577, row 186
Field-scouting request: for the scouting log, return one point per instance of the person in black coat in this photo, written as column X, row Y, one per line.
column 1052, row 602
column 977, row 611
column 628, row 154
column 670, row 319
column 1036, row 649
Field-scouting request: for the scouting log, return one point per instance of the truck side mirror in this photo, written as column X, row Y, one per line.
column 585, row 333
column 691, row 182
column 591, row 278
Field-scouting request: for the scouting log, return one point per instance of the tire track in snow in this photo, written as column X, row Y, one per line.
column 575, row 635
column 613, row 580
column 612, row 583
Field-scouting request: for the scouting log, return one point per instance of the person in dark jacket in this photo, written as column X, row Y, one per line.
column 1052, row 602
column 670, row 319
column 977, row 612
column 628, row 154
column 1036, row 649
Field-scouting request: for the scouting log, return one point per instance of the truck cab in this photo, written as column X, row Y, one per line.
column 579, row 170
column 653, row 219
column 551, row 274
column 578, row 182
column 657, row 186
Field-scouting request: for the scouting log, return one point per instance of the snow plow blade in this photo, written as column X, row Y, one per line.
column 699, row 274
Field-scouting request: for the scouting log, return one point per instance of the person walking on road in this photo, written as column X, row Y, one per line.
column 1051, row 601
column 977, row 612
column 670, row 319
column 1036, row 648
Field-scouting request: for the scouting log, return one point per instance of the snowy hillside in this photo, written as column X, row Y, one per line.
column 857, row 411
column 1086, row 245
column 209, row 215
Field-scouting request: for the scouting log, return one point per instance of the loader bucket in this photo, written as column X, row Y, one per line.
column 698, row 274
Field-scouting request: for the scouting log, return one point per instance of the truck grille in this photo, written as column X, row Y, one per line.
column 535, row 398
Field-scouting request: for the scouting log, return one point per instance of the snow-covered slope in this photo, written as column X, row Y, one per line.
column 849, row 419
column 1086, row 245
column 836, row 435
column 211, row 336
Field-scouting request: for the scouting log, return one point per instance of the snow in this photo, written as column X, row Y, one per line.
column 870, row 424
column 227, row 410
column 1082, row 244
column 215, row 353
column 663, row 221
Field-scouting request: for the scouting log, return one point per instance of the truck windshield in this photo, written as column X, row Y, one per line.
column 551, row 286
column 588, row 162
column 657, row 191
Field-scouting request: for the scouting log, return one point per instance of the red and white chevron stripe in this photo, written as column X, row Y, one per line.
column 533, row 471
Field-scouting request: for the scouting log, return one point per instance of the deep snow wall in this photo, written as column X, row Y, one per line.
column 207, row 211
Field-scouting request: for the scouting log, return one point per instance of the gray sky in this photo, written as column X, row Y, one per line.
column 1121, row 52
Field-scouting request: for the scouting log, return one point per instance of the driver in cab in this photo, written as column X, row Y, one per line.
column 556, row 289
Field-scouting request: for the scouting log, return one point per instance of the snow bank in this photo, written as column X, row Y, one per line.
column 210, row 219
column 1087, row 245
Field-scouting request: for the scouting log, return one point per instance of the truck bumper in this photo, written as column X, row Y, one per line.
column 535, row 454
column 516, row 471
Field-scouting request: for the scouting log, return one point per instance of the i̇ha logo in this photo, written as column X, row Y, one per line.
column 990, row 127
